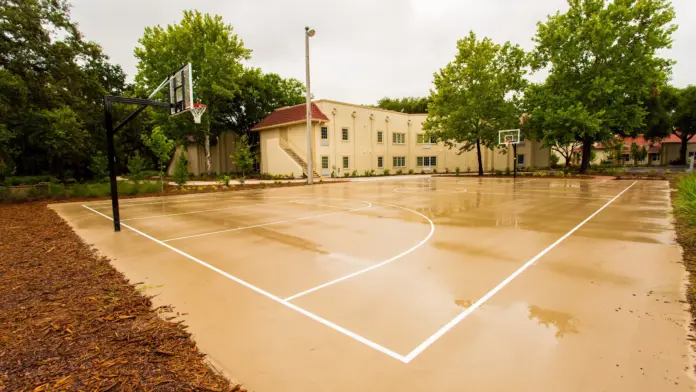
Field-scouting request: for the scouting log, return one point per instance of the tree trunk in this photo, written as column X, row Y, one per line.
column 682, row 150
column 586, row 149
column 206, row 144
column 478, row 155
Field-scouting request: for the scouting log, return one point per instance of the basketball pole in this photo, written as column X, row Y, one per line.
column 514, row 161
column 109, row 100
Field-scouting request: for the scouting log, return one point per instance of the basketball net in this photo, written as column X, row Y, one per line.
column 197, row 111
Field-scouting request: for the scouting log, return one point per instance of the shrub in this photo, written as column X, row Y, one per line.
column 668, row 171
column 446, row 171
column 224, row 180
column 457, row 171
column 366, row 173
column 507, row 170
column 498, row 172
column 57, row 191
column 399, row 172
column 685, row 199
column 262, row 184
column 28, row 180
column 468, row 169
column 554, row 160
column 354, row 173
column 434, row 171
column 333, row 174
column 136, row 166
column 346, row 174
column 386, row 172
column 99, row 167
column 5, row 194
column 410, row 171
column 181, row 175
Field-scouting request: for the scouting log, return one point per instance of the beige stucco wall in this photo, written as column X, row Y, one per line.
column 670, row 151
column 362, row 149
column 273, row 159
column 220, row 160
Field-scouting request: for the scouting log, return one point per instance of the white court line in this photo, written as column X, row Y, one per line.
column 196, row 212
column 385, row 262
column 163, row 201
column 267, row 294
column 320, row 205
column 437, row 335
column 475, row 192
column 267, row 224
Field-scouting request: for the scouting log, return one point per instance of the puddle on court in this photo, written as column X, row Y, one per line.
column 464, row 303
column 563, row 322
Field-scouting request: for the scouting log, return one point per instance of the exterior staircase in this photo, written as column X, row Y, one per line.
column 298, row 160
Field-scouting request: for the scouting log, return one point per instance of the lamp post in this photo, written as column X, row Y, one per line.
column 310, row 168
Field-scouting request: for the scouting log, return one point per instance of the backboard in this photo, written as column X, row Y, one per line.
column 510, row 136
column 181, row 90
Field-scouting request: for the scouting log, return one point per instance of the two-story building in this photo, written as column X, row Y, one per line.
column 347, row 138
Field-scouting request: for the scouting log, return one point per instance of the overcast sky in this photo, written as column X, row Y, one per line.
column 363, row 49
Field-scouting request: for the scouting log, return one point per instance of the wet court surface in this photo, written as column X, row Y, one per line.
column 443, row 284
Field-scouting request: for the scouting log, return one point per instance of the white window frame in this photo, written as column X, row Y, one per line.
column 398, row 135
column 518, row 160
column 421, row 139
column 397, row 160
column 324, row 129
column 380, row 135
column 654, row 155
column 345, row 134
column 422, row 160
column 345, row 162
column 380, row 162
column 324, row 159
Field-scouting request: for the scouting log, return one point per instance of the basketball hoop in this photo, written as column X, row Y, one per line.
column 197, row 111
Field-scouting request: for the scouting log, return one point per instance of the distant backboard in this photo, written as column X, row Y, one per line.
column 510, row 136
column 181, row 90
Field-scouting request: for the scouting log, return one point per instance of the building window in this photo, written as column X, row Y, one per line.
column 520, row 159
column 344, row 134
column 399, row 138
column 399, row 161
column 654, row 156
column 324, row 133
column 426, row 161
column 345, row 162
column 424, row 139
column 380, row 162
column 380, row 137
column 324, row 162
column 626, row 157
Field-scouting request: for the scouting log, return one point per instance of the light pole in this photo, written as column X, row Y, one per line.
column 310, row 168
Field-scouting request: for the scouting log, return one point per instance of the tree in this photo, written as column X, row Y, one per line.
column 602, row 62
column 405, row 105
column 243, row 158
column 136, row 165
column 99, row 167
column 161, row 146
column 216, row 54
column 685, row 119
column 181, row 174
column 638, row 153
column 476, row 95
column 51, row 88
column 565, row 150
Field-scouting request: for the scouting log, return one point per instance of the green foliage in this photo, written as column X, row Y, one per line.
column 354, row 173
column 477, row 94
column 405, row 105
column 28, row 180
column 181, row 174
column 554, row 159
column 346, row 174
column 161, row 146
column 99, row 167
column 602, row 62
column 684, row 119
column 51, row 86
column 399, row 172
column 668, row 171
column 136, row 166
column 685, row 198
column 498, row 172
column 216, row 55
column 457, row 171
column 224, row 179
column 507, row 171
column 386, row 172
column 410, row 171
column 243, row 158
column 61, row 191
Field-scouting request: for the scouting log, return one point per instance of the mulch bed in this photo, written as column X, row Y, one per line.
column 70, row 322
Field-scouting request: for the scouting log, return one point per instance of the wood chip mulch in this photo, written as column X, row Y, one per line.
column 70, row 322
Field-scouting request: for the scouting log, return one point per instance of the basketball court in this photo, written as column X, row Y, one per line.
column 442, row 283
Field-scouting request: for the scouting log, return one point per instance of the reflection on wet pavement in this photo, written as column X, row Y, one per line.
column 563, row 322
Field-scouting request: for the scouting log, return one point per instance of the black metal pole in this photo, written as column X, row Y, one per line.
column 514, row 169
column 111, row 156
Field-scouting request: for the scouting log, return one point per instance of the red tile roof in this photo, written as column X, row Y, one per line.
column 641, row 141
column 290, row 114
